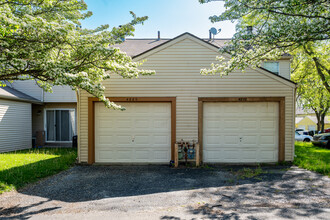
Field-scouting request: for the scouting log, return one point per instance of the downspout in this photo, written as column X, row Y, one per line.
column 294, row 116
column 78, row 127
column 43, row 95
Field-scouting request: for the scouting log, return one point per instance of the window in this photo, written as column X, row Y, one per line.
column 60, row 125
column 272, row 67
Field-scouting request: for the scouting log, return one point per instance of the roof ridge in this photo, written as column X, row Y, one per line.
column 172, row 38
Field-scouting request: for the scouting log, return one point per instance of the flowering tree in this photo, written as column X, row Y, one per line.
column 43, row 40
column 279, row 27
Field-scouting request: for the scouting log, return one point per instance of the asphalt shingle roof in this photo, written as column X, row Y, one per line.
column 134, row 47
column 10, row 93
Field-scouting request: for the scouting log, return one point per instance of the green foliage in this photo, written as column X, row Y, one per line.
column 43, row 41
column 312, row 94
column 279, row 27
column 27, row 166
column 312, row 158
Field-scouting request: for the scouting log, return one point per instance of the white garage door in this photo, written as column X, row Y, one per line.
column 140, row 134
column 240, row 132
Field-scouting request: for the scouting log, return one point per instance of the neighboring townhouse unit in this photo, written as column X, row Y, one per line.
column 306, row 120
column 240, row 118
column 15, row 119
column 52, row 115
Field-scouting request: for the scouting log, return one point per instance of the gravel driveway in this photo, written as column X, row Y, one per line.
column 160, row 192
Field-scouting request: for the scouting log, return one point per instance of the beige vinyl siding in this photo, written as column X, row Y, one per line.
column 15, row 125
column 285, row 70
column 178, row 75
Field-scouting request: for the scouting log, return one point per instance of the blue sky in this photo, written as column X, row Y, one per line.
column 170, row 17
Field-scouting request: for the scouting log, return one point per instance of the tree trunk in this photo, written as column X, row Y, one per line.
column 320, row 73
column 318, row 117
column 319, row 67
column 322, row 122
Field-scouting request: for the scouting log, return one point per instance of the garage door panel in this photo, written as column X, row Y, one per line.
column 267, row 139
column 161, row 109
column 267, row 155
column 163, row 124
column 160, row 140
column 142, row 155
column 268, row 124
column 231, row 140
column 231, row 108
column 212, row 124
column 231, row 125
column 248, row 109
column 124, row 123
column 230, row 155
column 250, row 140
column 249, row 155
column 105, row 154
column 106, row 124
column 213, row 139
column 105, row 139
column 123, row 155
column 161, row 155
column 142, row 140
column 142, row 123
column 213, row 156
column 141, row 133
column 240, row 132
column 250, row 125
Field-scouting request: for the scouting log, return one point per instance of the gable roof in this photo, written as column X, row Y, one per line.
column 301, row 111
column 139, row 47
column 311, row 118
column 13, row 94
column 298, row 119
column 314, row 119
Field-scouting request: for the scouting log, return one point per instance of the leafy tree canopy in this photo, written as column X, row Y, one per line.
column 43, row 40
column 311, row 92
column 279, row 27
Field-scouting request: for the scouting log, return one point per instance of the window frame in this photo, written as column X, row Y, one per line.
column 60, row 109
column 274, row 62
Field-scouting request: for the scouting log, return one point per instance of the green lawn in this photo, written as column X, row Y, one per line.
column 26, row 166
column 312, row 158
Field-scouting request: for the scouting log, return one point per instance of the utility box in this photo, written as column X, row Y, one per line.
column 74, row 141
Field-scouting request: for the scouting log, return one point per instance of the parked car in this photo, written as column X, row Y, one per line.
column 327, row 130
column 302, row 137
column 310, row 133
column 322, row 140
column 299, row 130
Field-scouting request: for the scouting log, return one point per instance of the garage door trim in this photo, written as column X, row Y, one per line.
column 280, row 100
column 91, row 119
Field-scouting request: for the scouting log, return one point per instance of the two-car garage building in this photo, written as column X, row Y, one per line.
column 240, row 118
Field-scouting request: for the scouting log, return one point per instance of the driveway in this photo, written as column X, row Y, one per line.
column 160, row 192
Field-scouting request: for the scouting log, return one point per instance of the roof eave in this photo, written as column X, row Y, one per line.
column 21, row 99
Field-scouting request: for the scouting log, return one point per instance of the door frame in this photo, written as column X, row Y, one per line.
column 281, row 121
column 91, row 119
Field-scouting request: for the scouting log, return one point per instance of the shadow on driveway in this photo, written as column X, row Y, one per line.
column 285, row 192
